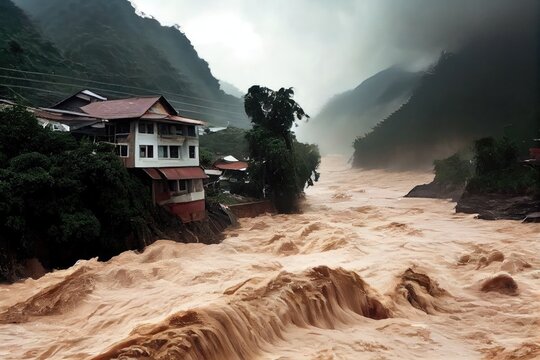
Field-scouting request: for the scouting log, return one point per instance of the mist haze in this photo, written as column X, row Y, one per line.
column 323, row 48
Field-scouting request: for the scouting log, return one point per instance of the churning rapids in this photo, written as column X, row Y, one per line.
column 362, row 274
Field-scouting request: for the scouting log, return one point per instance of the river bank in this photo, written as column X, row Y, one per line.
column 363, row 273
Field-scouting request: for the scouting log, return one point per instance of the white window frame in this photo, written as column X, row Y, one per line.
column 179, row 152
column 120, row 145
column 167, row 152
column 146, row 151
column 194, row 153
column 179, row 190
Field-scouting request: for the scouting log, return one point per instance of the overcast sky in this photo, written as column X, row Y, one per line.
column 323, row 47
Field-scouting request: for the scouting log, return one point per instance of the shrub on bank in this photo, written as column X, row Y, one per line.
column 498, row 170
column 455, row 170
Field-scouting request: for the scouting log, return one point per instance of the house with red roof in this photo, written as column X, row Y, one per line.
column 150, row 138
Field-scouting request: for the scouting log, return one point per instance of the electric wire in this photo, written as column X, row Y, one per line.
column 117, row 85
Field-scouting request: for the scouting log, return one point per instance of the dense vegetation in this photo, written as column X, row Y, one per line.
column 455, row 170
column 492, row 167
column 231, row 141
column 357, row 111
column 106, row 41
column 499, row 171
column 280, row 167
column 488, row 88
column 60, row 200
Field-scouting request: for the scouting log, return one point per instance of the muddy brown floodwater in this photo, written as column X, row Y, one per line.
column 363, row 273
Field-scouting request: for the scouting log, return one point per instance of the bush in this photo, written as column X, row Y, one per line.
column 498, row 170
column 455, row 170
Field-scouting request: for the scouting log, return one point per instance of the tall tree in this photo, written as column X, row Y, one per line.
column 277, row 170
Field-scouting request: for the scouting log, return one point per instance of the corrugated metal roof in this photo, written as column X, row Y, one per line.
column 153, row 173
column 121, row 109
column 238, row 165
column 175, row 119
column 74, row 121
column 183, row 173
column 186, row 120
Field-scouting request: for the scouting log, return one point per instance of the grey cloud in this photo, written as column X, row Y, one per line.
column 323, row 47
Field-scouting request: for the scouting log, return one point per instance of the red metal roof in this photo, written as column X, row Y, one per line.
column 237, row 165
column 153, row 173
column 121, row 109
column 172, row 118
column 183, row 173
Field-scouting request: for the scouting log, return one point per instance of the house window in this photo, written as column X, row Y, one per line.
column 182, row 185
column 174, row 152
column 177, row 130
column 146, row 151
column 122, row 150
column 164, row 129
column 192, row 152
column 174, row 130
column 163, row 152
column 178, row 186
column 191, row 131
column 146, row 127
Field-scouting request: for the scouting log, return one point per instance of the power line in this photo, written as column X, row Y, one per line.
column 116, row 92
column 9, row 86
column 33, row 88
column 117, row 85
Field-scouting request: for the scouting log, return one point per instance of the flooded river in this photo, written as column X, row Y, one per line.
column 363, row 273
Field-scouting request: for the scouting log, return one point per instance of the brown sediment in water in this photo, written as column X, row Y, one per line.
column 56, row 299
column 422, row 292
column 302, row 286
column 320, row 297
column 502, row 283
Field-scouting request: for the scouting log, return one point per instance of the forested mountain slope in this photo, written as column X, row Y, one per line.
column 22, row 47
column 115, row 46
column 488, row 88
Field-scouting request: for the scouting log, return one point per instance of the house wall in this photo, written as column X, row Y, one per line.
column 128, row 162
column 252, row 209
column 191, row 211
column 188, row 207
column 155, row 140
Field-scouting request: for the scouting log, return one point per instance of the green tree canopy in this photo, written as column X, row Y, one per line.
column 280, row 166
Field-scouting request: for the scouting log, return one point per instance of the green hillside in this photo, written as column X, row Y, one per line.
column 489, row 88
column 115, row 47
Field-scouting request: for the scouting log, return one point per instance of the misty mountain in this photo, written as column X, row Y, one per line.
column 115, row 46
column 24, row 48
column 230, row 89
column 357, row 111
column 488, row 88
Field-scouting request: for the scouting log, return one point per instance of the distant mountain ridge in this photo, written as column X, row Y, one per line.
column 489, row 88
column 230, row 89
column 111, row 44
column 356, row 112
